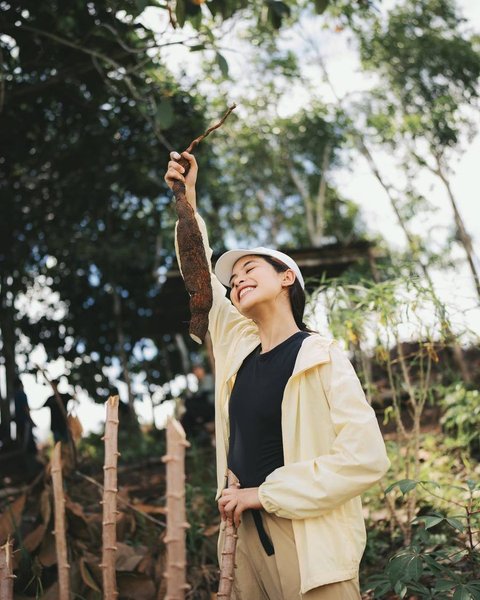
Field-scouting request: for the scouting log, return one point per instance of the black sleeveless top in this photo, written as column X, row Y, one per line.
column 255, row 411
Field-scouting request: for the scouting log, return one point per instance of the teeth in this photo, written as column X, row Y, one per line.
column 244, row 291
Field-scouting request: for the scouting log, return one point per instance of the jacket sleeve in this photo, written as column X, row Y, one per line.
column 357, row 457
column 225, row 323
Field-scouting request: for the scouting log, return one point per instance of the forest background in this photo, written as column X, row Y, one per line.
column 356, row 121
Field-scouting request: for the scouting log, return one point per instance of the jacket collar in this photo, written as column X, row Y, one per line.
column 313, row 351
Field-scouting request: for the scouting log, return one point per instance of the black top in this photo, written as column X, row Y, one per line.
column 255, row 411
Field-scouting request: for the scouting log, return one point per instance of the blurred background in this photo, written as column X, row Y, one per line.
column 354, row 147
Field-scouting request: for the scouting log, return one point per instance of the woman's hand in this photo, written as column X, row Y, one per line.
column 235, row 500
column 175, row 172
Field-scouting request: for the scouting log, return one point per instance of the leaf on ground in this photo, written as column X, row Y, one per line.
column 132, row 585
column 128, row 558
column 87, row 576
column 34, row 538
column 48, row 554
column 11, row 517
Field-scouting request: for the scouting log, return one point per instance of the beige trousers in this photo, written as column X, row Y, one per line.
column 277, row 577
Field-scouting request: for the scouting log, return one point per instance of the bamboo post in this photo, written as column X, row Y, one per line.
column 227, row 568
column 109, row 521
column 176, row 513
column 6, row 571
column 60, row 534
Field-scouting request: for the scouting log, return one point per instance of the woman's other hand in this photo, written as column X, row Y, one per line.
column 235, row 500
column 175, row 173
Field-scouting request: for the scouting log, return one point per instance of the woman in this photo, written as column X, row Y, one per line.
column 292, row 425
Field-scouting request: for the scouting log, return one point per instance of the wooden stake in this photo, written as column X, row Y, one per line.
column 60, row 534
column 176, row 513
column 227, row 568
column 6, row 571
column 109, row 502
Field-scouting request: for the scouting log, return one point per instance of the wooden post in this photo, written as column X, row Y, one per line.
column 6, row 571
column 176, row 513
column 60, row 534
column 109, row 521
column 227, row 568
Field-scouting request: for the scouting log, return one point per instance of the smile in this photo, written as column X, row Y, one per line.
column 244, row 291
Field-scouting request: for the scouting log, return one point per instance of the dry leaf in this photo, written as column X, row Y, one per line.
column 75, row 426
column 132, row 586
column 150, row 509
column 34, row 538
column 87, row 576
column 212, row 530
column 48, row 554
column 128, row 558
column 11, row 517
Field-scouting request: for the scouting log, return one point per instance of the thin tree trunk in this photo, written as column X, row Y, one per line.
column 305, row 196
column 60, row 532
column 117, row 311
column 110, row 500
column 321, row 197
column 7, row 329
column 176, row 512
column 183, row 350
column 463, row 234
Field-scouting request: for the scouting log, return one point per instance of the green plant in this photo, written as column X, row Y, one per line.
column 461, row 416
column 442, row 561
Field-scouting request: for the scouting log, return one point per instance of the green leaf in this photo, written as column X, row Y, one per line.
column 180, row 12
column 430, row 521
column 400, row 589
column 462, row 593
column 165, row 113
column 474, row 589
column 222, row 63
column 414, row 568
column 277, row 11
column 321, row 6
column 455, row 523
column 444, row 585
column 405, row 485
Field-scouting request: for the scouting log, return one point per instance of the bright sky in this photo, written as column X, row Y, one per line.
column 359, row 185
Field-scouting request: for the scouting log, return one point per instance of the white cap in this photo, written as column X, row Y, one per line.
column 224, row 265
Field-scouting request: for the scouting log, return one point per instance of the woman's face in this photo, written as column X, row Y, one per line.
column 254, row 281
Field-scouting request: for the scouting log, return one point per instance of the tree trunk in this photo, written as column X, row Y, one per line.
column 117, row 311
column 7, row 328
column 462, row 232
column 321, row 197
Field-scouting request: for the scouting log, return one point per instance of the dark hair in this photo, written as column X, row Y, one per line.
column 295, row 293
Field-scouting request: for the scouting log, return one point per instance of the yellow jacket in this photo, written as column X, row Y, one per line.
column 333, row 448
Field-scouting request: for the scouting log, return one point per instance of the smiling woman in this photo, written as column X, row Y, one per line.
column 292, row 426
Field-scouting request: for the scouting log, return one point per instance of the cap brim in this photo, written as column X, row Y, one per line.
column 224, row 265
